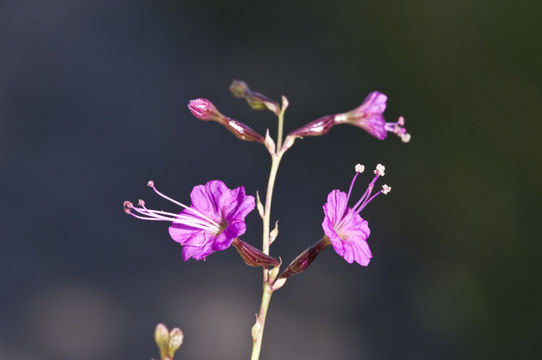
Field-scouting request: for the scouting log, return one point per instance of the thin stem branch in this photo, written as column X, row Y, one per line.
column 267, row 289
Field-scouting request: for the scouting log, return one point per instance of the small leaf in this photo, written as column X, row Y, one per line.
column 259, row 205
column 274, row 233
column 269, row 143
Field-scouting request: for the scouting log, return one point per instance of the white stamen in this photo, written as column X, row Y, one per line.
column 405, row 137
column 386, row 189
column 380, row 170
column 359, row 168
column 151, row 184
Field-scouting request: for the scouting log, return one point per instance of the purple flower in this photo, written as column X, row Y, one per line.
column 345, row 228
column 215, row 218
column 368, row 116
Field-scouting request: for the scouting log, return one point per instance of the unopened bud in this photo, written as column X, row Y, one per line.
column 256, row 100
column 161, row 337
column 203, row 109
column 243, row 132
column 253, row 256
column 239, row 88
column 176, row 338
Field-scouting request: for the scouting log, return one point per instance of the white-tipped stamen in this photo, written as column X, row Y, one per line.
column 405, row 137
column 359, row 168
column 386, row 189
column 151, row 184
column 380, row 170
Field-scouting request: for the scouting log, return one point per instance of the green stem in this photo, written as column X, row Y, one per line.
column 279, row 132
column 267, row 289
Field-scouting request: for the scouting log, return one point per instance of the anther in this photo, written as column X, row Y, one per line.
column 127, row 205
column 380, row 170
column 150, row 183
column 359, row 168
column 405, row 137
column 386, row 189
column 401, row 121
column 141, row 203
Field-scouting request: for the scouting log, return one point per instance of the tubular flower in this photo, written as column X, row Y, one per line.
column 345, row 228
column 215, row 218
column 368, row 116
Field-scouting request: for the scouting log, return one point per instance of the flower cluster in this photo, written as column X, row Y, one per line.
column 215, row 218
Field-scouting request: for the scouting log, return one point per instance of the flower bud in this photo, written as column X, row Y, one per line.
column 241, row 131
column 239, row 89
column 203, row 109
column 253, row 256
column 303, row 260
column 161, row 337
column 256, row 100
column 176, row 338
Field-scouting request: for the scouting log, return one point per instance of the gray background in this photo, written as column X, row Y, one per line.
column 93, row 101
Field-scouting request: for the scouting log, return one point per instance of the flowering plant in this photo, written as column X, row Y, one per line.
column 215, row 218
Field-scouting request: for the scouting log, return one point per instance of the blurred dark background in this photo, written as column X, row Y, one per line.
column 93, row 101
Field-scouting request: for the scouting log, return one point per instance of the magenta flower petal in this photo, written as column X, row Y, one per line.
column 215, row 218
column 345, row 228
column 369, row 116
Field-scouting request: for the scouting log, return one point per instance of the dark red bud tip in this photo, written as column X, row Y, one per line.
column 253, row 256
column 203, row 109
column 303, row 260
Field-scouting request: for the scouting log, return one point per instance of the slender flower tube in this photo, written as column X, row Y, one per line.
column 253, row 256
column 318, row 127
column 303, row 260
column 215, row 218
column 368, row 116
column 204, row 110
column 345, row 228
